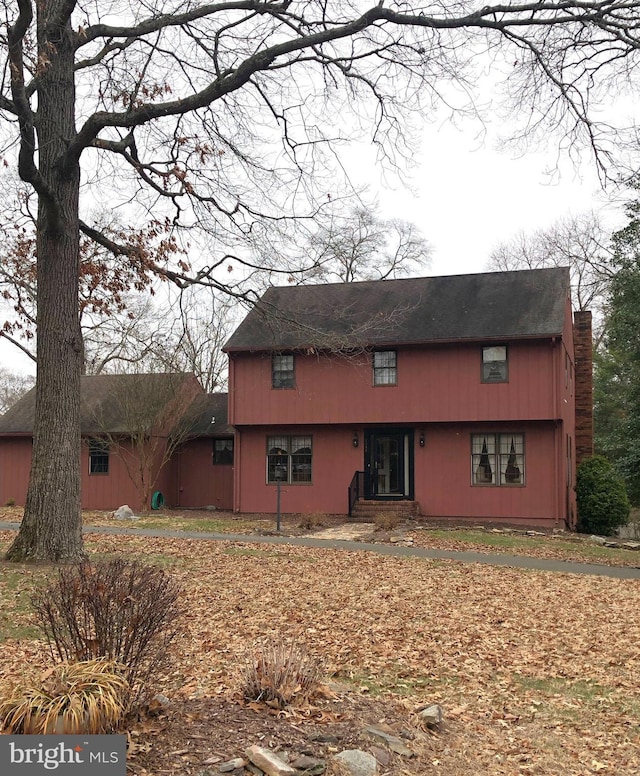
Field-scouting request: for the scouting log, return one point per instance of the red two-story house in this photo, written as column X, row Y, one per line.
column 456, row 394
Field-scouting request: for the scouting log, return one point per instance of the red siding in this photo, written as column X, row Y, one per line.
column 201, row 482
column 442, row 470
column 437, row 383
column 104, row 492
column 15, row 464
column 110, row 491
column 443, row 477
column 334, row 462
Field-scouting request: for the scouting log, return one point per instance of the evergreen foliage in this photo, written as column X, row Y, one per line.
column 603, row 504
column 617, row 369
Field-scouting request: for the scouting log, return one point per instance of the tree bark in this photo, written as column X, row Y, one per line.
column 52, row 525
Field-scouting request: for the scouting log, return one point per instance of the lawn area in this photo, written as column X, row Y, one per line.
column 535, row 672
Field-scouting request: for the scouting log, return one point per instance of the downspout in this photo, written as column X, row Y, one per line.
column 237, row 456
column 237, row 447
column 557, row 423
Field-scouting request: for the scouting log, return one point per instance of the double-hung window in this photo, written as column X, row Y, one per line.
column 289, row 459
column 385, row 367
column 494, row 364
column 283, row 371
column 98, row 457
column 497, row 459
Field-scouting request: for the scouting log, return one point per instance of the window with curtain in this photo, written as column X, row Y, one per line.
column 289, row 459
column 497, row 459
column 494, row 364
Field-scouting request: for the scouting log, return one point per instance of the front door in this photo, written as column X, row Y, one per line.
column 388, row 464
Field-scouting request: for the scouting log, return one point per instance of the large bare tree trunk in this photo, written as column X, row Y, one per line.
column 52, row 525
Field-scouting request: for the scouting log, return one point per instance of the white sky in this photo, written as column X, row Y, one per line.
column 469, row 198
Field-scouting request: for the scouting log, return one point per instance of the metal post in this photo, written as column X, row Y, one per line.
column 278, row 505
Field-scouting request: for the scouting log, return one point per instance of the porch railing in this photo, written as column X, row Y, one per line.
column 356, row 488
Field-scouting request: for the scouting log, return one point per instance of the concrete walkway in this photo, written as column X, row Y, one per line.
column 515, row 561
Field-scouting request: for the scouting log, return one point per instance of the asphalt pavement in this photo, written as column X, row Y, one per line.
column 514, row 561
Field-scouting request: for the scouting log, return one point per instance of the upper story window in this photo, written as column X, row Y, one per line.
column 497, row 459
column 222, row 451
column 283, row 371
column 494, row 364
column 385, row 367
column 98, row 457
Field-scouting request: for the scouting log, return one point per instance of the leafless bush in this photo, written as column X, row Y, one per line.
column 314, row 520
column 281, row 675
column 386, row 521
column 121, row 610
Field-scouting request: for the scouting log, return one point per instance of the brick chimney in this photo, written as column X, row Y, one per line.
column 583, row 348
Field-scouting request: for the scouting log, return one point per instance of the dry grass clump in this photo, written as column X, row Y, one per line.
column 387, row 521
column 88, row 697
column 281, row 675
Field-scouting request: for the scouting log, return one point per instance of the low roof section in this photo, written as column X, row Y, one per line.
column 209, row 412
column 103, row 409
column 484, row 306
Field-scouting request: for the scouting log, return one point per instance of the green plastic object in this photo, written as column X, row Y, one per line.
column 157, row 500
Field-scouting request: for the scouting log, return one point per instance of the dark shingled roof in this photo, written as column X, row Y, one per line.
column 210, row 415
column 100, row 411
column 487, row 306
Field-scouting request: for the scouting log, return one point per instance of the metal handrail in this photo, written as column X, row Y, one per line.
column 355, row 488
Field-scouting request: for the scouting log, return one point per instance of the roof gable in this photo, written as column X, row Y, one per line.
column 485, row 306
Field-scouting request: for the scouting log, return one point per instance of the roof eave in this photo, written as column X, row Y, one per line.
column 399, row 343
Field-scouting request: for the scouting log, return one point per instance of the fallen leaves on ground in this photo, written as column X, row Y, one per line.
column 535, row 672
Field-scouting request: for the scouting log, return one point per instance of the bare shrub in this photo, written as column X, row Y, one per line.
column 121, row 610
column 281, row 675
column 88, row 697
column 314, row 520
column 386, row 521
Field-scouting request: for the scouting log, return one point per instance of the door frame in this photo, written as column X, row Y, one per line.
column 406, row 437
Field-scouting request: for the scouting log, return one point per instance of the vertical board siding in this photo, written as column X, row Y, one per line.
column 439, row 384
column 201, row 483
column 333, row 464
column 443, row 486
column 15, row 465
column 107, row 492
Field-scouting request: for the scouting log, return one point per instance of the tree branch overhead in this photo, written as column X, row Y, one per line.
column 212, row 134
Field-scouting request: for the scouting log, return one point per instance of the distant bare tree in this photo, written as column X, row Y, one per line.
column 182, row 332
column 361, row 245
column 12, row 387
column 579, row 242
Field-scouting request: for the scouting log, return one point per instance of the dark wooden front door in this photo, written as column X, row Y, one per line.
column 389, row 464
